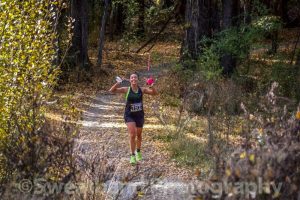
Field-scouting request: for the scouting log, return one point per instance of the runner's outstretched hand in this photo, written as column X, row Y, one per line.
column 150, row 81
column 119, row 79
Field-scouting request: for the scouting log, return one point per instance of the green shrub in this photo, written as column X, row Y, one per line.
column 189, row 152
column 287, row 77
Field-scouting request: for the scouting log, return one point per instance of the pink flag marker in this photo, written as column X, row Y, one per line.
column 149, row 80
column 149, row 62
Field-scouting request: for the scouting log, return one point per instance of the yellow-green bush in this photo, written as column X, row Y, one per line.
column 28, row 73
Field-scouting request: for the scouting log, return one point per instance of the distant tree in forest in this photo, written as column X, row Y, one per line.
column 116, row 20
column 79, row 48
column 230, row 19
column 107, row 4
column 141, row 18
column 197, row 23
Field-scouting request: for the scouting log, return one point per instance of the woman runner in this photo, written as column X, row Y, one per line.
column 134, row 113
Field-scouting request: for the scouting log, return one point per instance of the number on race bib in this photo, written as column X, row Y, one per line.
column 135, row 107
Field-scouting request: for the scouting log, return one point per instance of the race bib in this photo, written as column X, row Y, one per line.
column 135, row 107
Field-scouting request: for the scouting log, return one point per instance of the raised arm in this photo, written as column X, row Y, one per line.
column 150, row 90
column 115, row 89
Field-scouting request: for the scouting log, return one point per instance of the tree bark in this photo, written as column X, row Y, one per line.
column 112, row 25
column 228, row 62
column 181, row 11
column 141, row 18
column 119, row 19
column 215, row 16
column 230, row 13
column 284, row 11
column 197, row 17
column 102, row 32
column 247, row 7
column 298, row 59
column 116, row 22
column 274, row 38
column 85, row 35
column 80, row 38
column 294, row 52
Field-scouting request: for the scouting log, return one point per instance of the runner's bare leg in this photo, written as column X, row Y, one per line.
column 132, row 130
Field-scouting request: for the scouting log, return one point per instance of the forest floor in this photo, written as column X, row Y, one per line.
column 103, row 127
column 103, row 134
column 103, row 141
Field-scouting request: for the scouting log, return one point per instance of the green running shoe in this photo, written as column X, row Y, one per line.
column 132, row 160
column 139, row 156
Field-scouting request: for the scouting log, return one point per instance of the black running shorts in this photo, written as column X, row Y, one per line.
column 138, row 119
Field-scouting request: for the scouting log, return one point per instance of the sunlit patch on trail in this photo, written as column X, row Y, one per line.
column 109, row 102
column 99, row 124
column 101, row 99
column 91, row 114
column 104, row 107
column 119, row 125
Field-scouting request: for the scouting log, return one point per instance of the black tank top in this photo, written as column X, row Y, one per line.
column 134, row 102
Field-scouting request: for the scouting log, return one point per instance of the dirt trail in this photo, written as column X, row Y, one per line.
column 104, row 133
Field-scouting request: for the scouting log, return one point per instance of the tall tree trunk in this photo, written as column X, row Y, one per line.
column 297, row 71
column 120, row 19
column 112, row 25
column 80, row 38
column 267, row 3
column 85, row 35
column 215, row 17
column 274, row 39
column 276, row 8
column 298, row 60
column 141, row 18
column 230, row 9
column 197, row 17
column 116, row 22
column 247, row 7
column 102, row 31
column 230, row 13
column 180, row 17
column 284, row 11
